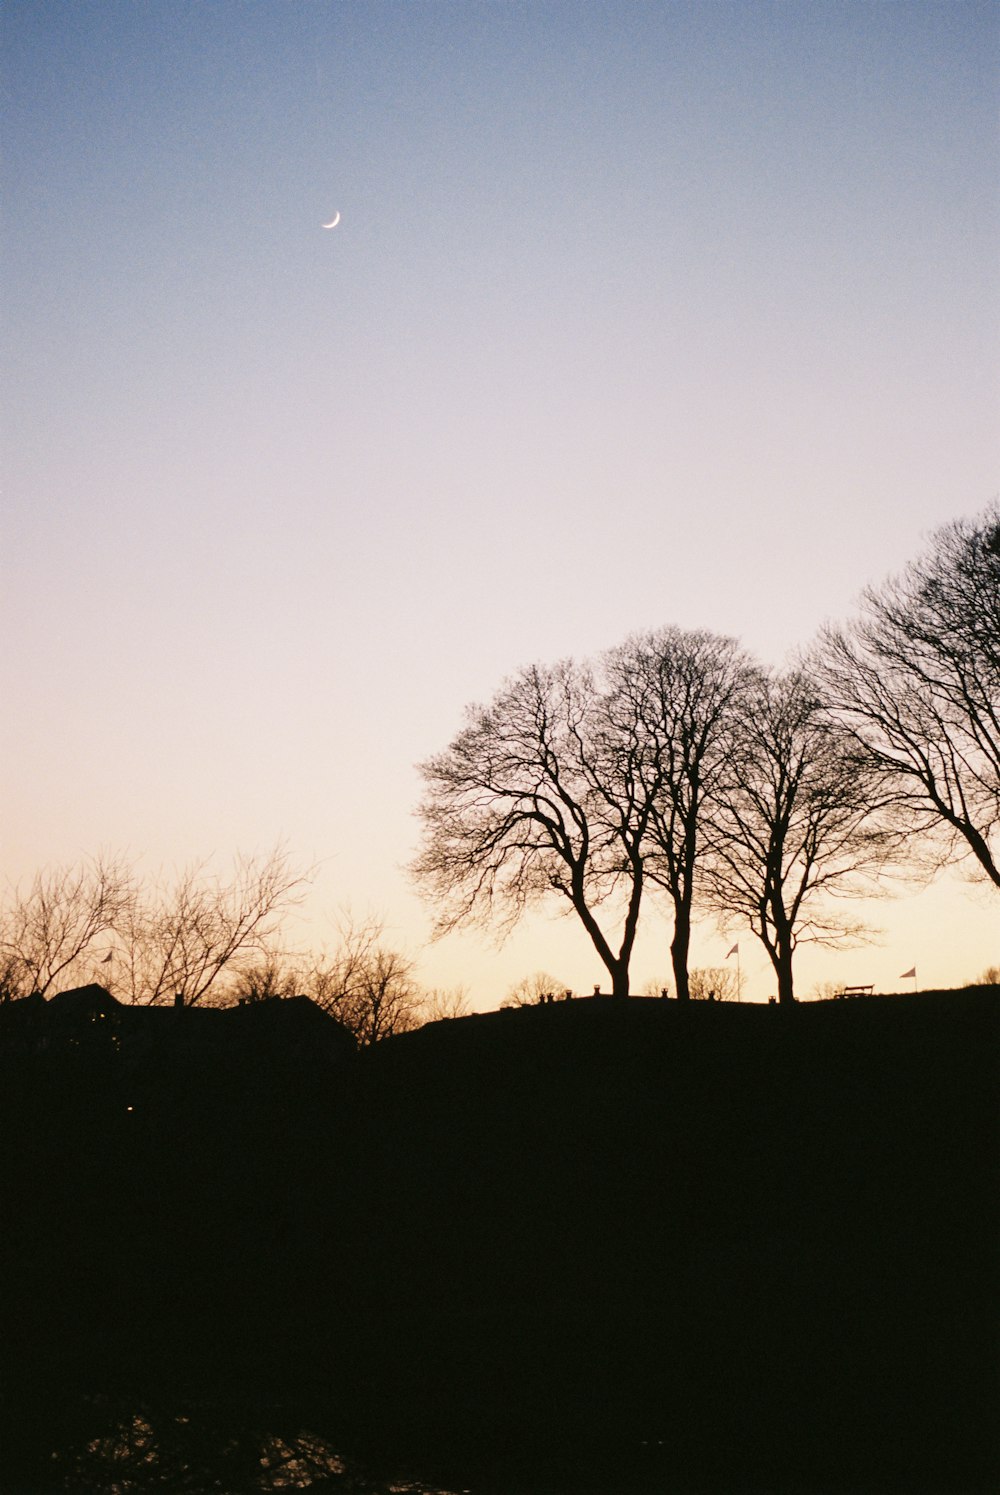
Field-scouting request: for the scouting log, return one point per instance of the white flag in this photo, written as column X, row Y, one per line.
column 734, row 951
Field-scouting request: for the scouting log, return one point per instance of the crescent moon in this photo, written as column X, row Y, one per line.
column 333, row 221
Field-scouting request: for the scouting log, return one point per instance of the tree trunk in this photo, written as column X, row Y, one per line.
column 783, row 968
column 679, row 948
column 619, row 979
column 616, row 965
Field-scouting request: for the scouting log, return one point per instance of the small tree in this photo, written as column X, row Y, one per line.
column 796, row 824
column 441, row 1003
column 532, row 991
column 367, row 985
column 183, row 940
column 714, row 984
column 48, row 932
column 270, row 978
column 14, row 978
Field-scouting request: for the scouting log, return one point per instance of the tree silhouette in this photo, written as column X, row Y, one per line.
column 674, row 693
column 539, row 796
column 441, row 1002
column 916, row 679
column 532, row 991
column 795, row 823
column 180, row 940
column 367, row 985
column 714, row 984
column 269, row 978
column 46, row 932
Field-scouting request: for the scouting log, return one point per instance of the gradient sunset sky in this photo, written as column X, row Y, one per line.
column 635, row 314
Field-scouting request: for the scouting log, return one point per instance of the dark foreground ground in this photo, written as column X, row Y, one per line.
column 590, row 1246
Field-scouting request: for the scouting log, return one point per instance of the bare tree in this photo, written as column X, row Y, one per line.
column 269, row 978
column 534, row 990
column 47, row 932
column 367, row 985
column 538, row 797
column 14, row 978
column 795, row 824
column 916, row 679
column 180, row 941
column 713, row 984
column 445, row 1002
column 826, row 991
column 675, row 693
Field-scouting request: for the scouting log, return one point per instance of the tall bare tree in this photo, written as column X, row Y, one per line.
column 795, row 826
column 674, row 693
column 538, row 797
column 182, row 939
column 916, row 679
column 48, row 931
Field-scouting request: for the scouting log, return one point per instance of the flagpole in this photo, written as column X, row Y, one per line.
column 739, row 972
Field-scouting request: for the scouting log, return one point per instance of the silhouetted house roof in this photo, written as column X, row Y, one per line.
column 281, row 1029
column 84, row 1004
column 21, row 1022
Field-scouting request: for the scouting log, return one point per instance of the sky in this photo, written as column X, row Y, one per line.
column 635, row 314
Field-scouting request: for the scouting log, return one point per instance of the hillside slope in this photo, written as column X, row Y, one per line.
column 713, row 1247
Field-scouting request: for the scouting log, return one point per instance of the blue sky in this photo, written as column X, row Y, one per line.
column 635, row 314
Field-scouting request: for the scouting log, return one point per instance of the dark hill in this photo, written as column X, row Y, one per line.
column 764, row 1237
column 642, row 1245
